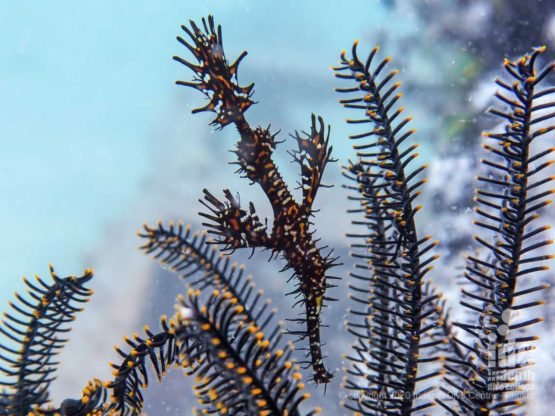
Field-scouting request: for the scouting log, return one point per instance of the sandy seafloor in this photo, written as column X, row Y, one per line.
column 96, row 140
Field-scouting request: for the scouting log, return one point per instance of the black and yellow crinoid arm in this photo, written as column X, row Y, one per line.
column 33, row 334
column 93, row 402
column 403, row 320
column 214, row 76
column 131, row 372
column 236, row 227
column 503, row 293
column 240, row 364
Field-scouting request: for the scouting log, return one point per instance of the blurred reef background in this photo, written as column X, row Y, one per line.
column 96, row 140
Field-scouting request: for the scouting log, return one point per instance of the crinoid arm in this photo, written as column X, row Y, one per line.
column 501, row 293
column 243, row 369
column 33, row 334
column 191, row 254
column 155, row 349
column 401, row 316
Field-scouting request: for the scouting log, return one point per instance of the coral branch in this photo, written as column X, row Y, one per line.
column 193, row 255
column 376, row 377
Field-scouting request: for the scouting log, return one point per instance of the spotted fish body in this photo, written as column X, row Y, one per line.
column 239, row 228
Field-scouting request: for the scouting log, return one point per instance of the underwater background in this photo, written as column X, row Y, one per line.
column 97, row 139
